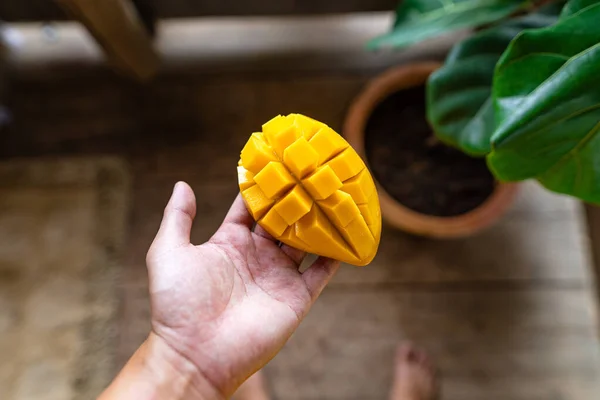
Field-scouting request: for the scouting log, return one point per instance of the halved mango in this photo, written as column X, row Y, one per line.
column 308, row 188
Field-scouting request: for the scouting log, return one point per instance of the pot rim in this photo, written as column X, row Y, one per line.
column 396, row 214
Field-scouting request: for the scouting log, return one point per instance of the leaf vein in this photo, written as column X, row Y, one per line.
column 573, row 152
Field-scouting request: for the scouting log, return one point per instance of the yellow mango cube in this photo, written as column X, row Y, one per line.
column 245, row 178
column 300, row 158
column 346, row 164
column 290, row 238
column 274, row 179
column 360, row 187
column 256, row 155
column 340, row 208
column 258, row 203
column 322, row 183
column 276, row 125
column 327, row 143
column 281, row 140
column 294, row 205
column 307, row 126
column 273, row 223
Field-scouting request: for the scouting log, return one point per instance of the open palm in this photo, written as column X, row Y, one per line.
column 228, row 305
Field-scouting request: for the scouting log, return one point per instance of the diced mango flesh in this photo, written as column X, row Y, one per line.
column 360, row 238
column 282, row 140
column 360, row 187
column 294, row 205
column 366, row 213
column 245, row 178
column 274, row 179
column 340, row 208
column 275, row 126
column 309, row 189
column 307, row 126
column 374, row 214
column 300, row 158
column 256, row 155
column 290, row 238
column 322, row 183
column 256, row 201
column 327, row 143
column 347, row 164
column 314, row 229
column 273, row 223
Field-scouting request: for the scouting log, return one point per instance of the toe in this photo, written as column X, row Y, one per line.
column 409, row 355
column 406, row 353
column 423, row 359
column 415, row 376
column 420, row 357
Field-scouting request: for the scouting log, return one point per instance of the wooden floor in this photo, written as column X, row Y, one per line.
column 508, row 314
column 61, row 230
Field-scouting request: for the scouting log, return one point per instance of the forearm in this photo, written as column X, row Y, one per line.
column 157, row 372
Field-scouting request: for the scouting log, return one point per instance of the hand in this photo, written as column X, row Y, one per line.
column 227, row 306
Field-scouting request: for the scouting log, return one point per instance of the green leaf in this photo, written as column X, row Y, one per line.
column 417, row 20
column 573, row 7
column 547, row 104
column 459, row 105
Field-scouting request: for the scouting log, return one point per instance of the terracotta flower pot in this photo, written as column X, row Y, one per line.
column 394, row 213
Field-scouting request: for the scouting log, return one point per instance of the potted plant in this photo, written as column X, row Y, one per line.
column 518, row 99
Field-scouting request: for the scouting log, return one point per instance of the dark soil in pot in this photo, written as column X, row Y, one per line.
column 415, row 168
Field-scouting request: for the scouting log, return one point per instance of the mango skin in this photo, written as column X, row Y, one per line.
column 306, row 186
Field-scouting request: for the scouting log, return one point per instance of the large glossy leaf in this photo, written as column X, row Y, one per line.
column 459, row 105
column 573, row 7
column 417, row 20
column 547, row 105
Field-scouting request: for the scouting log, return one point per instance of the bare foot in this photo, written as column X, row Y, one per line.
column 414, row 377
column 253, row 389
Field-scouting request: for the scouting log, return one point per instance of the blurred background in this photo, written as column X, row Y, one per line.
column 104, row 106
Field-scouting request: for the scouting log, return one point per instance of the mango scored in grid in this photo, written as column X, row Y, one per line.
column 305, row 185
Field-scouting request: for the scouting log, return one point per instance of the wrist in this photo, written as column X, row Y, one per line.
column 155, row 372
column 176, row 376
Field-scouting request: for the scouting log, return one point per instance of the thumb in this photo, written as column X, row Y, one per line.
column 176, row 225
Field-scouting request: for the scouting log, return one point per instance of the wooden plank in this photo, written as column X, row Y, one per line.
column 62, row 227
column 118, row 29
column 513, row 345
column 44, row 10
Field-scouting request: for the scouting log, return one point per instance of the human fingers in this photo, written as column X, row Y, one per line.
column 318, row 275
column 260, row 231
column 294, row 254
